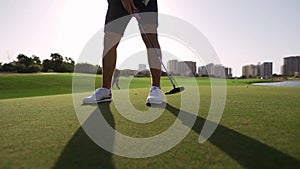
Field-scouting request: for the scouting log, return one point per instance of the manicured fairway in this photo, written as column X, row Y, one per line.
column 259, row 129
column 28, row 85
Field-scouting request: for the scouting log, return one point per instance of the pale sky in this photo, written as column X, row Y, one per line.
column 241, row 31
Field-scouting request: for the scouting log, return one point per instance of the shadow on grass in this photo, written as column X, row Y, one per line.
column 247, row 151
column 81, row 152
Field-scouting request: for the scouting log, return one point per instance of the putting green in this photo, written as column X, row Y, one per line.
column 259, row 129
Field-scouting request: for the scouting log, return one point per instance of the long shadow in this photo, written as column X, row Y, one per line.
column 247, row 151
column 81, row 152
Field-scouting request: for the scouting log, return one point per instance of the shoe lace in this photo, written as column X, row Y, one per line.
column 99, row 92
column 154, row 90
column 96, row 92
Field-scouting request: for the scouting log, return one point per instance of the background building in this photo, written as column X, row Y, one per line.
column 266, row 70
column 258, row 70
column 218, row 71
column 202, row 71
column 291, row 65
column 172, row 66
column 250, row 71
column 228, row 72
column 205, row 70
column 215, row 71
column 184, row 68
column 187, row 68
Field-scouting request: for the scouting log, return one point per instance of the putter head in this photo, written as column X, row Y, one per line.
column 175, row 90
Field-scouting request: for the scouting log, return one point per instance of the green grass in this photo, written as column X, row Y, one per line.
column 259, row 129
column 28, row 85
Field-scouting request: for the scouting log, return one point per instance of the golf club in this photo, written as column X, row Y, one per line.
column 175, row 89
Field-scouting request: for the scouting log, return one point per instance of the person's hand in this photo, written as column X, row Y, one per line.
column 129, row 6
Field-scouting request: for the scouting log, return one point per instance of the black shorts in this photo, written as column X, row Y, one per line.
column 116, row 10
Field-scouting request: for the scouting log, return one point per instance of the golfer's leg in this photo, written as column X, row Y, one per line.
column 111, row 41
column 154, row 62
column 113, row 83
column 116, row 21
column 117, row 84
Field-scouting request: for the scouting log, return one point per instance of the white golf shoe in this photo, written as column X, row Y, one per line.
column 100, row 95
column 155, row 96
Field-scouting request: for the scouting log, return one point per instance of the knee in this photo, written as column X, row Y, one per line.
column 111, row 41
column 151, row 37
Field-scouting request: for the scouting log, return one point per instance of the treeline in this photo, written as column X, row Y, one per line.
column 33, row 64
column 56, row 63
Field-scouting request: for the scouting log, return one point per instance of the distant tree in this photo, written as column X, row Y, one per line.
column 85, row 68
column 67, row 67
column 99, row 70
column 20, row 68
column 143, row 73
column 26, row 64
column 68, row 64
column 9, row 67
column 56, row 57
column 0, row 66
column 23, row 59
column 127, row 72
column 58, row 64
column 88, row 68
column 36, row 60
column 47, row 65
column 69, row 60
